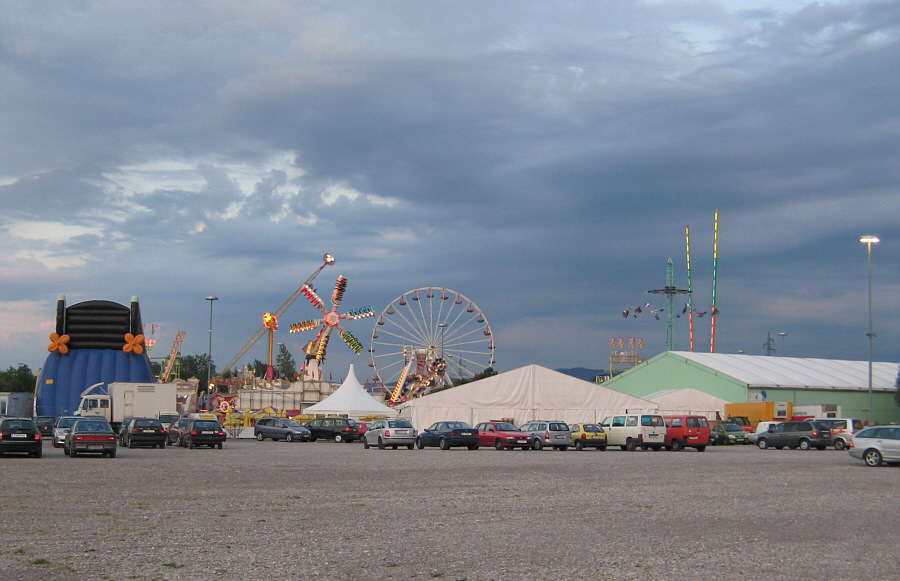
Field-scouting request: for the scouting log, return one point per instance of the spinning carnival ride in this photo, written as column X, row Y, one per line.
column 429, row 337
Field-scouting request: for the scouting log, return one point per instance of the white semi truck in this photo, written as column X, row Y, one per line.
column 119, row 400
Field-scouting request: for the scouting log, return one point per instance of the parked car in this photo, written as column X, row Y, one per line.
column 447, row 435
column 842, row 429
column 803, row 434
column 20, row 435
column 91, row 434
column 61, row 428
column 203, row 433
column 686, row 431
column 588, row 436
column 124, row 428
column 390, row 432
column 727, row 433
column 337, row 429
column 281, row 429
column 177, row 430
column 759, row 429
column 548, row 434
column 503, row 436
column 144, row 432
column 361, row 427
column 876, row 445
column 45, row 425
column 628, row 431
column 167, row 418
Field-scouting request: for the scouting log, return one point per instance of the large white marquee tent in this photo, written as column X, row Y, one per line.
column 527, row 393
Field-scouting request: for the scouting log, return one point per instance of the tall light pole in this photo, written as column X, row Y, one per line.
column 782, row 335
column 869, row 241
column 209, row 353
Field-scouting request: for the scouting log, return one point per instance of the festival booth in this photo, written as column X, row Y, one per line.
column 352, row 400
column 527, row 393
column 688, row 400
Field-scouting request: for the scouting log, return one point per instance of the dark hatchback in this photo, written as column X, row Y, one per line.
column 144, row 432
column 204, row 433
column 20, row 435
column 796, row 434
column 447, row 435
column 280, row 429
column 45, row 425
column 337, row 429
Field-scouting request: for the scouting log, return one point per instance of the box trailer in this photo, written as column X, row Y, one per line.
column 759, row 411
column 119, row 400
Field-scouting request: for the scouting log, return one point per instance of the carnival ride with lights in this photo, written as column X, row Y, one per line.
column 428, row 338
column 315, row 349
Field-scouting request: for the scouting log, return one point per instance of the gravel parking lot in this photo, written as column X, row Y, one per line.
column 275, row 510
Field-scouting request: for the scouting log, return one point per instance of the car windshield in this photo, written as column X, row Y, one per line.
column 91, row 427
column 66, row 422
column 147, row 424
column 168, row 418
column 505, row 427
column 733, row 428
column 591, row 428
column 206, row 425
column 292, row 424
column 457, row 425
column 17, row 425
column 652, row 421
column 399, row 424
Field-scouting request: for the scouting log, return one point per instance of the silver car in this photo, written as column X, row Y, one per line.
column 61, row 428
column 549, row 434
column 876, row 445
column 393, row 433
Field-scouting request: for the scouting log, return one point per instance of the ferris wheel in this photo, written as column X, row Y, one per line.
column 429, row 337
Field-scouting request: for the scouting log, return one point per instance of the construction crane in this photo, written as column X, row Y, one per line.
column 170, row 363
column 328, row 259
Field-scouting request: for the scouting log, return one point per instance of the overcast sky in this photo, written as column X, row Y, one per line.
column 541, row 158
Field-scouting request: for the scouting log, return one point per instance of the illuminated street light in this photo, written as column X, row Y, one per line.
column 209, row 353
column 869, row 241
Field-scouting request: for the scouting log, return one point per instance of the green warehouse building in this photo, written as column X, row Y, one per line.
column 743, row 378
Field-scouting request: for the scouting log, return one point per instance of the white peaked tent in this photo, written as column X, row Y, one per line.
column 351, row 399
column 688, row 400
column 527, row 393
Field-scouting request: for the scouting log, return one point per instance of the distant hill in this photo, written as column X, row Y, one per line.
column 582, row 372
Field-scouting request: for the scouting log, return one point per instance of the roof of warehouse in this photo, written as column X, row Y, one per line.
column 759, row 371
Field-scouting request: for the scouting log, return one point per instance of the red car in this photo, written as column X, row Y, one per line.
column 502, row 436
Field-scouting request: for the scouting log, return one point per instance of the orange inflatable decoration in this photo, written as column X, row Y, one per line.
column 58, row 343
column 133, row 344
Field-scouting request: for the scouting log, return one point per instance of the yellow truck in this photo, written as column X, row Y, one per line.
column 748, row 414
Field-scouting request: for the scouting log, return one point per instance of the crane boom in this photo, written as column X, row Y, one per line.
column 328, row 259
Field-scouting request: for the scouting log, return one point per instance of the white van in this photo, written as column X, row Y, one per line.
column 628, row 431
column 842, row 429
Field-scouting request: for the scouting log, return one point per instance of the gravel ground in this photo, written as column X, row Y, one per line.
column 304, row 511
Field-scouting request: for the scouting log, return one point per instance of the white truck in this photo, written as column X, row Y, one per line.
column 119, row 400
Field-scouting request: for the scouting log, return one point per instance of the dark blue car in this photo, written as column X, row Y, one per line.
column 446, row 435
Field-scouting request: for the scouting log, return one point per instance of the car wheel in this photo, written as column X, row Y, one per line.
column 701, row 448
column 365, row 444
column 839, row 444
column 676, row 446
column 72, row 453
column 804, row 444
column 538, row 444
column 260, row 437
column 563, row 448
column 190, row 444
column 419, row 444
column 37, row 453
column 289, row 438
column 601, row 448
column 112, row 453
column 630, row 445
column 762, row 443
column 498, row 444
column 473, row 446
column 338, row 438
column 380, row 443
column 130, row 444
column 409, row 446
column 219, row 445
column 579, row 445
column 872, row 458
column 445, row 444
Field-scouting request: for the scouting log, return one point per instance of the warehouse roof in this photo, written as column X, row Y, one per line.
column 759, row 371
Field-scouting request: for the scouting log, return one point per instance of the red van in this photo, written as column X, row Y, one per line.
column 686, row 432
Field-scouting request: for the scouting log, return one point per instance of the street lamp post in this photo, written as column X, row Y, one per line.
column 782, row 335
column 209, row 353
column 869, row 241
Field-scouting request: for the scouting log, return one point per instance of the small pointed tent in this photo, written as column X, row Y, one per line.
column 527, row 393
column 351, row 399
column 688, row 400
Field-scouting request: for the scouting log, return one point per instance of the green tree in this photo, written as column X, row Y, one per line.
column 17, row 379
column 197, row 366
column 258, row 368
column 285, row 364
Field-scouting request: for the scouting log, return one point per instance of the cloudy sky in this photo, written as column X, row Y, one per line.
column 541, row 158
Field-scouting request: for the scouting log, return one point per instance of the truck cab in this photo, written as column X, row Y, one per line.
column 94, row 405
